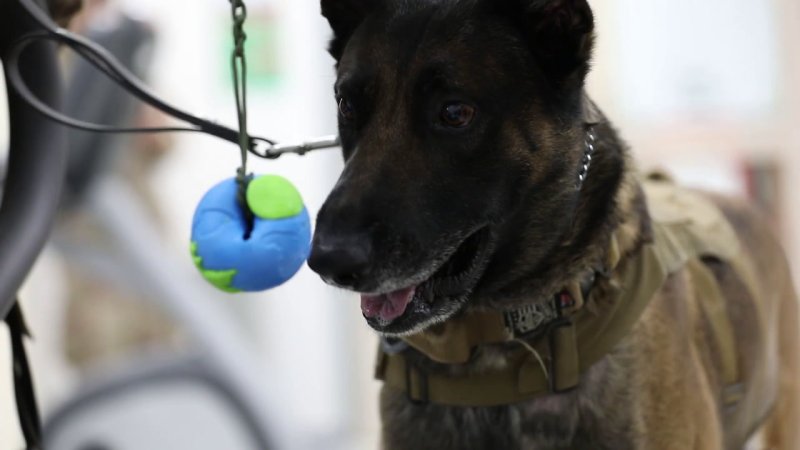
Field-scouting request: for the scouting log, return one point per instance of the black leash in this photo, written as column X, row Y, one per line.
column 106, row 63
column 27, row 410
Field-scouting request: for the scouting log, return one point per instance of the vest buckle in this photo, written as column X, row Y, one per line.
column 416, row 384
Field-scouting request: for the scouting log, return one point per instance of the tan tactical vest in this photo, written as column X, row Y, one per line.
column 686, row 227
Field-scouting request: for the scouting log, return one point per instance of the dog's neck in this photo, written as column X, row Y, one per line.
column 609, row 201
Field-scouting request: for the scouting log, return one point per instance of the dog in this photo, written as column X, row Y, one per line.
column 532, row 289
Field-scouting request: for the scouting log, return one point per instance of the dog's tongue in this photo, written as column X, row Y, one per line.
column 389, row 306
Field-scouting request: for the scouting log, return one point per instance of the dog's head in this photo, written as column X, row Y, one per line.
column 462, row 129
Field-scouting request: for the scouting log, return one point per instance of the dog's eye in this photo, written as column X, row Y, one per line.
column 346, row 110
column 457, row 115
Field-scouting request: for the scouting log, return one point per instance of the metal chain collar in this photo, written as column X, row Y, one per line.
column 588, row 155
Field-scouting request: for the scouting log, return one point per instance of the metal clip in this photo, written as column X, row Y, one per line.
column 275, row 151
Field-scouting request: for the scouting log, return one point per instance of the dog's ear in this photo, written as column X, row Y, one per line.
column 559, row 32
column 345, row 16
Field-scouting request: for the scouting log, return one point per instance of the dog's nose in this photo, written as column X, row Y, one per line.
column 345, row 263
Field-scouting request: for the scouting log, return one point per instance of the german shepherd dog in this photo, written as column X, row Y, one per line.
column 467, row 187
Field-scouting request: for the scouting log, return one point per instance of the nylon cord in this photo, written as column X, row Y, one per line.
column 239, row 70
column 536, row 354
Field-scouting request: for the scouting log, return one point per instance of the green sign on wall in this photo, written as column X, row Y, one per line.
column 264, row 70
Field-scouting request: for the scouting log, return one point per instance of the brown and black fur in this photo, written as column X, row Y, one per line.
column 413, row 191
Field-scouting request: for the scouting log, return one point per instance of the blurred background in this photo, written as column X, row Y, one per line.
column 709, row 91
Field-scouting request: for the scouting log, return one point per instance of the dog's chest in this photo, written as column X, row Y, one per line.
column 581, row 419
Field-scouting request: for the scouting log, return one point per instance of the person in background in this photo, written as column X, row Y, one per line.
column 62, row 11
column 106, row 319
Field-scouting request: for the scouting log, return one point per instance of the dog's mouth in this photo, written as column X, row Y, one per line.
column 414, row 308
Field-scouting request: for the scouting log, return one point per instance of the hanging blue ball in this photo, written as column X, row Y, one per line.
column 276, row 248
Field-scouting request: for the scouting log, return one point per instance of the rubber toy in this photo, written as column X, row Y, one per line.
column 272, row 253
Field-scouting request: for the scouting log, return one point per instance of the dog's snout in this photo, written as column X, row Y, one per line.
column 342, row 262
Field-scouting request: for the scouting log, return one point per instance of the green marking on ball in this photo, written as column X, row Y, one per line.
column 274, row 197
column 198, row 260
column 221, row 279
